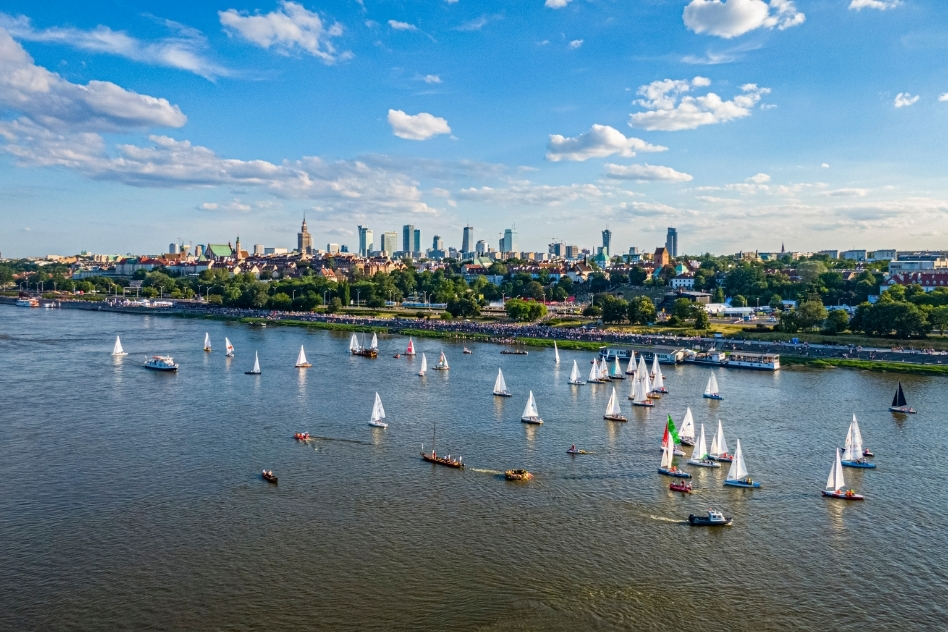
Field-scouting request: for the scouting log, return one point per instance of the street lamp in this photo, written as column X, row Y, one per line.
column 357, row 298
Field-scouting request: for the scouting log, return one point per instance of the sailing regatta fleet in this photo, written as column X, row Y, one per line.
column 646, row 386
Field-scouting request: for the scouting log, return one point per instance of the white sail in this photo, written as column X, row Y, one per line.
column 714, row 445
column 500, row 386
column 646, row 385
column 668, row 456
column 712, row 387
column 530, row 411
column 701, row 448
column 857, row 435
column 658, row 384
column 301, row 358
column 354, row 343
column 594, row 371
column 378, row 412
column 256, row 362
column 655, row 370
column 641, row 371
column 443, row 362
column 633, row 394
column 604, row 370
column 117, row 350
column 641, row 390
column 375, row 342
column 612, row 409
column 574, row 374
column 836, row 482
column 424, row 364
column 207, row 341
column 737, row 471
column 556, row 352
column 687, row 426
column 630, row 367
column 616, row 369
column 720, row 441
column 229, row 347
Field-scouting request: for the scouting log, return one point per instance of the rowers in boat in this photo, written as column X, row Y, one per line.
column 680, row 486
column 836, row 482
column 301, row 436
column 269, row 477
column 518, row 475
column 899, row 405
column 713, row 519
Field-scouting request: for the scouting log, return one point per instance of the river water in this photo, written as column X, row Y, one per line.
column 133, row 499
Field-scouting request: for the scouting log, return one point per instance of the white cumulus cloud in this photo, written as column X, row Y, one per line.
column 402, row 26
column 646, row 173
column 598, row 142
column 669, row 108
column 556, row 4
column 576, row 44
column 290, row 28
column 731, row 18
column 881, row 5
column 904, row 99
column 943, row 96
column 432, row 79
column 51, row 102
column 420, row 126
column 760, row 178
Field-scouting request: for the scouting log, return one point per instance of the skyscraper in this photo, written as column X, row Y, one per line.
column 304, row 241
column 481, row 247
column 467, row 243
column 510, row 242
column 671, row 242
column 416, row 244
column 437, row 243
column 390, row 243
column 366, row 244
column 607, row 241
column 408, row 238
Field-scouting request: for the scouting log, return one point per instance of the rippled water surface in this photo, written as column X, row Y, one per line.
column 133, row 499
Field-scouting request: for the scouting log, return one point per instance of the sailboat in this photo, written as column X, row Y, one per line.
column 899, row 405
column 207, row 341
column 375, row 342
column 500, row 386
column 853, row 455
column 354, row 346
column 699, row 456
column 530, row 414
column 410, row 351
column 424, row 365
column 256, row 365
column 594, row 373
column 630, row 367
column 642, row 390
column 378, row 414
column 670, row 436
column 737, row 475
column 440, row 460
column 574, row 377
column 719, row 446
column 668, row 467
column 658, row 385
column 301, row 362
column 556, row 352
column 613, row 412
column 371, row 351
column 687, row 432
column 711, row 390
column 442, row 364
column 836, row 482
column 616, row 373
column 229, row 348
column 604, row 371
column 117, row 350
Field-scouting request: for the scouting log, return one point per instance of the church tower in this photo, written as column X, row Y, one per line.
column 304, row 241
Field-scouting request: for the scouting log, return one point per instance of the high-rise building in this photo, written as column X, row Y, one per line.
column 607, row 242
column 416, row 243
column 408, row 238
column 467, row 242
column 173, row 249
column 332, row 249
column 390, row 243
column 671, row 243
column 510, row 242
column 304, row 241
column 481, row 247
column 366, row 244
column 572, row 252
column 437, row 243
column 258, row 249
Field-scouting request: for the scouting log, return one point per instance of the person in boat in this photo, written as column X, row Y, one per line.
column 572, row 448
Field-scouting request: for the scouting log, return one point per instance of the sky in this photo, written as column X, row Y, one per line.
column 745, row 124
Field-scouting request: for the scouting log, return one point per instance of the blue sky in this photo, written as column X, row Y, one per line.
column 817, row 123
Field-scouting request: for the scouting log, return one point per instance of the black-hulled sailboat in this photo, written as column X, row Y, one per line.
column 899, row 405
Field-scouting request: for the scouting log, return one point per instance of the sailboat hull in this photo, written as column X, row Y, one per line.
column 503, row 394
column 905, row 410
column 742, row 484
column 858, row 464
column 722, row 459
column 688, row 442
column 704, row 463
column 843, row 495
column 577, row 383
column 706, row 396
column 378, row 424
column 673, row 473
column 252, row 372
column 536, row 421
column 305, row 365
column 644, row 404
column 614, row 418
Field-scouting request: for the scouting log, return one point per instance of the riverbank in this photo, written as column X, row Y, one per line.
column 908, row 368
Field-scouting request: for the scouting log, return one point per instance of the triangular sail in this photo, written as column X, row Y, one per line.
column 229, row 347
column 687, row 426
column 641, row 371
column 301, row 358
column 899, row 400
column 658, row 384
column 411, row 348
column 655, row 369
column 836, row 482
column 500, row 386
column 857, row 436
column 424, row 365
column 722, row 442
column 354, row 343
column 556, row 352
column 207, row 341
column 701, row 448
column 594, row 371
column 634, row 393
column 613, row 407
column 668, row 456
column 574, row 374
column 378, row 412
column 646, row 385
column 714, row 384
column 715, row 449
column 853, row 450
column 375, row 342
column 117, row 350
column 616, row 369
column 531, row 409
column 737, row 471
column 443, row 361
column 630, row 367
column 256, row 362
column 604, row 369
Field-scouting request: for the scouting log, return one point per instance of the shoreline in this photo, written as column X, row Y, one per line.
column 516, row 338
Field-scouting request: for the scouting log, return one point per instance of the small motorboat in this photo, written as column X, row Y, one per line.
column 518, row 475
column 680, row 486
column 574, row 450
column 713, row 519
column 269, row 477
column 867, row 452
column 468, row 351
column 301, row 436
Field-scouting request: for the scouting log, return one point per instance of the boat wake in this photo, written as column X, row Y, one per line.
column 342, row 440
column 495, row 472
column 671, row 520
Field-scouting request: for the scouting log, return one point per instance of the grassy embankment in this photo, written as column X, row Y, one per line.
column 866, row 365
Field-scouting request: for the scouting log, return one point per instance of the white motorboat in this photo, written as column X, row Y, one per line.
column 161, row 363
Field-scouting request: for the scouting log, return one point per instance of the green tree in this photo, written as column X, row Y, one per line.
column 497, row 268
column 836, row 322
column 642, row 310
column 683, row 309
column 614, row 310
column 789, row 322
column 592, row 311
column 811, row 314
column 717, row 296
column 637, row 275
column 939, row 318
column 702, row 320
column 280, row 301
column 524, row 310
column 776, row 302
column 465, row 307
column 738, row 301
column 810, row 271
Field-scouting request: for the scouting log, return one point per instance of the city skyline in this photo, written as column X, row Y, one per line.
column 741, row 123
